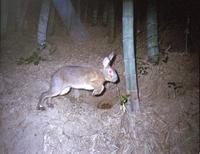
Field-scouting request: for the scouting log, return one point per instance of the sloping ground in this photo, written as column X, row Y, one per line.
column 169, row 93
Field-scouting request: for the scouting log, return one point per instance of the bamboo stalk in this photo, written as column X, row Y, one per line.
column 4, row 17
column 105, row 13
column 111, row 21
column 94, row 12
column 66, row 12
column 22, row 7
column 78, row 7
column 43, row 23
column 152, row 32
column 129, row 55
column 69, row 17
column 51, row 23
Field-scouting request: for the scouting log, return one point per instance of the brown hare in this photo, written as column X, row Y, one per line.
column 79, row 77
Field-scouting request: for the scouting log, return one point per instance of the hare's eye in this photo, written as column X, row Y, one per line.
column 110, row 72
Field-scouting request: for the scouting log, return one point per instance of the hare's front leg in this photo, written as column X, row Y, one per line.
column 98, row 90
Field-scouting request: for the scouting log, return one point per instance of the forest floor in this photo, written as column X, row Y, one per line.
column 169, row 100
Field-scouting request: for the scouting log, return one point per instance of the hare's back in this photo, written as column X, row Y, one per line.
column 77, row 71
column 76, row 75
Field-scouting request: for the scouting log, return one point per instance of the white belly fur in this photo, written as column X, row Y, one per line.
column 83, row 86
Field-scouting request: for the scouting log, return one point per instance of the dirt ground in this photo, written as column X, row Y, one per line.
column 169, row 100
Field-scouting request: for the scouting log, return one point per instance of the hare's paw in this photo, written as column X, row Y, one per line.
column 40, row 107
column 98, row 91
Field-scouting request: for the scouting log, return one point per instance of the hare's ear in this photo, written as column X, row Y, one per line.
column 111, row 56
column 106, row 62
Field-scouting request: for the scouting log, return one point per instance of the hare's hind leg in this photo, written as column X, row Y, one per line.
column 48, row 95
column 43, row 98
column 65, row 91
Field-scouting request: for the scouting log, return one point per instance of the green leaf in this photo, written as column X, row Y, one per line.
column 124, row 99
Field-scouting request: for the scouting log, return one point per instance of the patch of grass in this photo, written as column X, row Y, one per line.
column 123, row 99
column 35, row 59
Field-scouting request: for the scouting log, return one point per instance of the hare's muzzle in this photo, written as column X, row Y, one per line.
column 115, row 79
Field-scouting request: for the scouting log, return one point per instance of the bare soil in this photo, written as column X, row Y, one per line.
column 169, row 100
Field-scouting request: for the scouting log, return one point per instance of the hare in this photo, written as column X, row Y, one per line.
column 79, row 77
